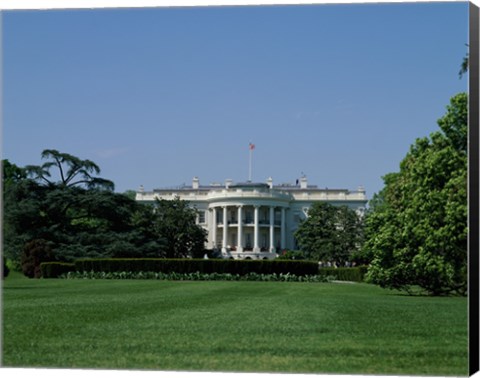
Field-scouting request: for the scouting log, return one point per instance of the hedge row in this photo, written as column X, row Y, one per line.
column 55, row 269
column 241, row 267
column 355, row 274
column 203, row 266
column 197, row 276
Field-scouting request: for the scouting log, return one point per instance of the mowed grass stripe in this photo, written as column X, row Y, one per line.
column 231, row 326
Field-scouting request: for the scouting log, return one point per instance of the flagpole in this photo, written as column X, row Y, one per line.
column 250, row 163
column 251, row 147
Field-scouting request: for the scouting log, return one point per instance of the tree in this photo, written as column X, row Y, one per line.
column 11, row 173
column 330, row 233
column 11, row 176
column 417, row 231
column 76, row 216
column 72, row 171
column 464, row 65
column 174, row 224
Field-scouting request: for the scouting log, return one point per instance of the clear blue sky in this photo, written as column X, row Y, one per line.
column 157, row 96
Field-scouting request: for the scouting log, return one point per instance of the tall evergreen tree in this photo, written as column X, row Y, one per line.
column 62, row 211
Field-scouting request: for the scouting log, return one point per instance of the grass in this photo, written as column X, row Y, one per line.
column 231, row 326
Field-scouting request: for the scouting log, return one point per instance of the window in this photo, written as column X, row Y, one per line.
column 201, row 217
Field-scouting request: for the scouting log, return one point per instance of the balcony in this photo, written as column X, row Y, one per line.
column 249, row 222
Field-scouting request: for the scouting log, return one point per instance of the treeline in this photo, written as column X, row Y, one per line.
column 62, row 211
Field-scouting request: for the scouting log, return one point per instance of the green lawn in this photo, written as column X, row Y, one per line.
column 231, row 326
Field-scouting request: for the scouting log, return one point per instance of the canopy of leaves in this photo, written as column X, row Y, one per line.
column 330, row 233
column 71, row 170
column 76, row 216
column 174, row 223
column 416, row 230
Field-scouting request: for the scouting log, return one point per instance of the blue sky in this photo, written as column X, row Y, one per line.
column 158, row 96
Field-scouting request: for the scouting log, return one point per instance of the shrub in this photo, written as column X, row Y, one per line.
column 355, row 274
column 55, row 269
column 34, row 253
column 185, row 266
column 5, row 270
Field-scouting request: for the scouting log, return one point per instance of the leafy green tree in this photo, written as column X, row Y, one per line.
column 72, row 171
column 330, row 233
column 132, row 194
column 416, row 234
column 11, row 173
column 141, row 240
column 11, row 176
column 174, row 224
column 76, row 216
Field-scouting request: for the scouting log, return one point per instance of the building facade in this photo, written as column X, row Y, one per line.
column 254, row 220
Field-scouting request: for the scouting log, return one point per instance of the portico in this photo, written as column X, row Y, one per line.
column 244, row 227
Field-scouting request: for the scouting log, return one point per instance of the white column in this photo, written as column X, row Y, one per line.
column 282, row 232
column 214, row 227
column 255, row 230
column 240, row 230
column 272, row 215
column 225, row 228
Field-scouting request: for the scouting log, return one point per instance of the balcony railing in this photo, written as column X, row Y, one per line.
column 264, row 222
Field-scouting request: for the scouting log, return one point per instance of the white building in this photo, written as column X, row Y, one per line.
column 254, row 220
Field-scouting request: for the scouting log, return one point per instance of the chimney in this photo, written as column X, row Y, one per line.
column 195, row 183
column 303, row 182
column 270, row 182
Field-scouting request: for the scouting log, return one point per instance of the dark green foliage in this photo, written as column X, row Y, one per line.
column 355, row 274
column 330, row 233
column 174, row 224
column 416, row 231
column 34, row 253
column 11, row 173
column 241, row 267
column 76, row 221
column 78, row 214
column 55, row 269
column 72, row 171
column 6, row 269
column 454, row 124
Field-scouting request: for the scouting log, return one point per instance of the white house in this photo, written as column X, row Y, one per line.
column 254, row 220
